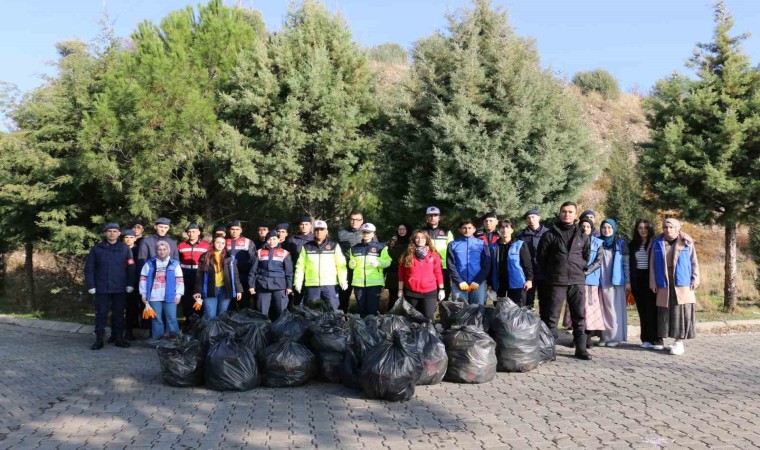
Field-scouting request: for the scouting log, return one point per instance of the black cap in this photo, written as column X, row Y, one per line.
column 128, row 232
column 271, row 234
column 111, row 226
column 530, row 212
column 163, row 221
column 140, row 222
column 282, row 226
column 235, row 223
column 192, row 226
column 304, row 219
column 220, row 228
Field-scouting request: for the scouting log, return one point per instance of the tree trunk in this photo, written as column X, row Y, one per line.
column 29, row 271
column 3, row 273
column 729, row 288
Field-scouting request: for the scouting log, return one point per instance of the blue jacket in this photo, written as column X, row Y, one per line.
column 171, row 279
column 683, row 271
column 518, row 262
column 594, row 278
column 468, row 260
column 272, row 269
column 110, row 268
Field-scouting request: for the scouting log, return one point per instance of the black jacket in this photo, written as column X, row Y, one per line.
column 347, row 238
column 147, row 249
column 564, row 263
column 531, row 239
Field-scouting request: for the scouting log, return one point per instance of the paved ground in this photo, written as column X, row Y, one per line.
column 55, row 392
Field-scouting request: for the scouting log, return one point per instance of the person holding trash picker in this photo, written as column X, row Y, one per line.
column 217, row 280
column 271, row 276
column 321, row 268
column 511, row 266
column 161, row 288
column 420, row 274
column 108, row 275
column 367, row 259
column 469, row 262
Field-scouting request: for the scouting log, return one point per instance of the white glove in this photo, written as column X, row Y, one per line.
column 130, row 289
column 352, row 264
column 91, row 291
column 344, row 285
column 441, row 295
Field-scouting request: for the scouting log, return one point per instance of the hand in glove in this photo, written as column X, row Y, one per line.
column 91, row 291
column 441, row 295
column 464, row 287
column 344, row 285
column 130, row 289
column 474, row 286
column 148, row 312
column 198, row 305
column 352, row 264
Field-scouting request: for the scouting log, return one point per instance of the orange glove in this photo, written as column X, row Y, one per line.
column 629, row 300
column 474, row 286
column 148, row 313
column 464, row 287
column 198, row 305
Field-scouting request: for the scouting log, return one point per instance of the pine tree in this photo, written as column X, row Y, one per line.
column 625, row 197
column 706, row 140
column 485, row 127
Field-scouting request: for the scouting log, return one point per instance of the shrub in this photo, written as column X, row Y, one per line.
column 598, row 80
column 389, row 53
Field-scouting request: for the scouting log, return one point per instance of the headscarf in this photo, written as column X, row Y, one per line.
column 588, row 221
column 674, row 222
column 403, row 240
column 609, row 241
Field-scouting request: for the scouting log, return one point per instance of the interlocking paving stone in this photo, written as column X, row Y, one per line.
column 56, row 393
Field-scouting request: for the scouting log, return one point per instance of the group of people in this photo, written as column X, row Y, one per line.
column 569, row 262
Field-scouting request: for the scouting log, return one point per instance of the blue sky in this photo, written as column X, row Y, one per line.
column 638, row 41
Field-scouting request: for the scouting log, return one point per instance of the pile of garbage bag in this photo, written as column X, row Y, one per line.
column 385, row 356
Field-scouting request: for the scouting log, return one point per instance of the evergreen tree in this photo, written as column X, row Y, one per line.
column 485, row 127
column 315, row 130
column 706, row 140
column 625, row 199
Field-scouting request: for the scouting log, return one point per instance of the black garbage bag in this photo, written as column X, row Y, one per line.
column 330, row 366
column 214, row 330
column 405, row 309
column 391, row 369
column 230, row 366
column 293, row 327
column 516, row 332
column 256, row 338
column 169, row 339
column 361, row 338
column 196, row 323
column 288, row 363
column 472, row 356
column 388, row 323
column 479, row 316
column 449, row 313
column 329, row 332
column 546, row 344
column 432, row 351
column 182, row 363
column 243, row 320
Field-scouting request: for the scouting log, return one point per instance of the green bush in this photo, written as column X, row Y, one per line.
column 754, row 247
column 389, row 53
column 598, row 80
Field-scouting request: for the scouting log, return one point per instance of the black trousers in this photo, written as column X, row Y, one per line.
column 646, row 304
column 446, row 283
column 344, row 297
column 423, row 302
column 516, row 295
column 134, row 307
column 187, row 301
column 551, row 309
column 114, row 302
column 540, row 289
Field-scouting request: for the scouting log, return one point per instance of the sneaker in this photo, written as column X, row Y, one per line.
column 602, row 343
column 658, row 347
column 645, row 345
column 677, row 348
column 612, row 344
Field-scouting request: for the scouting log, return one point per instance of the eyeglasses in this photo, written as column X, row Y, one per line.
column 356, row 220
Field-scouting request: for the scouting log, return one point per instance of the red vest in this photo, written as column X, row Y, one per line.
column 189, row 255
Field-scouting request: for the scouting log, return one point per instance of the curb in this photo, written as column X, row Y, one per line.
column 634, row 330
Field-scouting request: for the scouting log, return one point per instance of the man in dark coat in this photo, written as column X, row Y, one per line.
column 109, row 273
column 531, row 235
column 562, row 254
column 347, row 238
column 147, row 246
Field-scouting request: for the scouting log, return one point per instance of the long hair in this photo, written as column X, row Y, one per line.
column 636, row 238
column 207, row 260
column 407, row 259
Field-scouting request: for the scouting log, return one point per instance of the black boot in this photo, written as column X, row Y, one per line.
column 581, row 352
column 98, row 341
column 111, row 338
column 120, row 342
column 589, row 343
column 128, row 335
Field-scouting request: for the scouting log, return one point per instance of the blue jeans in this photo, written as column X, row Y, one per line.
column 213, row 306
column 328, row 294
column 476, row 297
column 165, row 311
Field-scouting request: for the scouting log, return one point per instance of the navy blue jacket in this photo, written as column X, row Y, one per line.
column 296, row 244
column 272, row 270
column 110, row 268
column 531, row 239
column 147, row 249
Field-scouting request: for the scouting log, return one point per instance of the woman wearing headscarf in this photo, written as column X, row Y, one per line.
column 673, row 277
column 396, row 246
column 591, row 300
column 638, row 251
column 614, row 282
